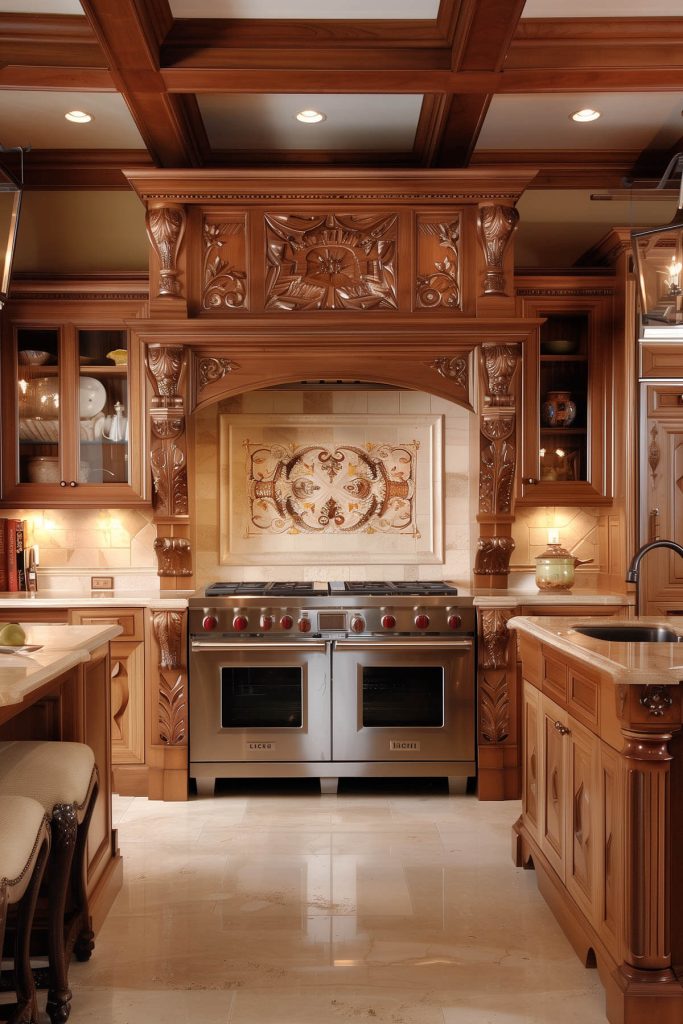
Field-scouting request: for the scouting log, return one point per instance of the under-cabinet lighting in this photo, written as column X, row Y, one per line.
column 78, row 116
column 584, row 115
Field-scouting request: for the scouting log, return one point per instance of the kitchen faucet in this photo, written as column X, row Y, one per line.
column 633, row 573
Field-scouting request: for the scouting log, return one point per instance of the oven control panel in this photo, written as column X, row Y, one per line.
column 391, row 619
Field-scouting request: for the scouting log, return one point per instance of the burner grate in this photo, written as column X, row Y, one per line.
column 408, row 588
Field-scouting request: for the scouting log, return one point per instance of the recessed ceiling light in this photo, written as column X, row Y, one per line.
column 310, row 116
column 78, row 116
column 587, row 114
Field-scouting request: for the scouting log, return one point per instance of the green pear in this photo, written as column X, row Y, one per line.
column 12, row 635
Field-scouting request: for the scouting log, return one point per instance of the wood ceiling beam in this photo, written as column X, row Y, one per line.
column 92, row 169
column 596, row 43
column 130, row 35
column 481, row 41
column 584, row 169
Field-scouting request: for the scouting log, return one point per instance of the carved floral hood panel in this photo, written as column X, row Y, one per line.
column 355, row 488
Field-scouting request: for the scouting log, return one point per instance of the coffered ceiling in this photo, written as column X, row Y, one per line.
column 410, row 83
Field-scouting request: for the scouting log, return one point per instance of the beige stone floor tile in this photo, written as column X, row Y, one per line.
column 403, row 909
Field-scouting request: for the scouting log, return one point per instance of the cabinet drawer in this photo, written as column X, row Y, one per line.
column 130, row 620
column 554, row 677
column 661, row 360
column 583, row 697
column 665, row 399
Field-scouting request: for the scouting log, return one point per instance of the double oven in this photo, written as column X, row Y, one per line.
column 329, row 680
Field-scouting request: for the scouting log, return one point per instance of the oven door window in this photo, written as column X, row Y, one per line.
column 262, row 697
column 411, row 696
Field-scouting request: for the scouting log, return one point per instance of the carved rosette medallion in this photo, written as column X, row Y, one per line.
column 165, row 229
column 493, row 556
column 213, row 368
column 172, row 698
column 497, row 464
column 494, row 692
column 173, row 556
column 225, row 283
column 499, row 364
column 330, row 261
column 496, row 225
column 438, row 280
column 656, row 699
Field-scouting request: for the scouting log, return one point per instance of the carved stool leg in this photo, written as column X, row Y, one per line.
column 79, row 936
column 64, row 827
column 26, row 1010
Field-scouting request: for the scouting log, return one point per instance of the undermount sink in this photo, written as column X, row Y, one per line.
column 631, row 634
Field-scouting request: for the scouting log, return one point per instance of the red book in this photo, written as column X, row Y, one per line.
column 3, row 554
column 11, row 552
column 21, row 555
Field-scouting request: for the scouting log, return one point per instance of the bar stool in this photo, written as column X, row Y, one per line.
column 62, row 777
column 24, row 848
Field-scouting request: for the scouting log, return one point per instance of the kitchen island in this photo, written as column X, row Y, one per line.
column 62, row 691
column 602, row 800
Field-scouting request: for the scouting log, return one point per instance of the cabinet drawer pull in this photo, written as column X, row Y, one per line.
column 73, row 483
column 530, row 480
column 562, row 729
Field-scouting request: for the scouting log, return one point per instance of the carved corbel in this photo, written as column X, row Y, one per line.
column 496, row 225
column 499, row 364
column 493, row 556
column 165, row 230
column 168, row 455
column 174, row 556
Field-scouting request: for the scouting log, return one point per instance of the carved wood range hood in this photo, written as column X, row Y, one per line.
column 262, row 278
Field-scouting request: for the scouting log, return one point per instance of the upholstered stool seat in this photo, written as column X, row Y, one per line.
column 62, row 777
column 24, row 846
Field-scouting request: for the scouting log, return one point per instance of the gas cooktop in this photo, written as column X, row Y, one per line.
column 371, row 588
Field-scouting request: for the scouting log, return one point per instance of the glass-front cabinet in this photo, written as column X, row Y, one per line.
column 566, row 419
column 72, row 415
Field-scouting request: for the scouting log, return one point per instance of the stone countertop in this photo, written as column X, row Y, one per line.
column 626, row 662
column 172, row 600
column 61, row 648
column 517, row 595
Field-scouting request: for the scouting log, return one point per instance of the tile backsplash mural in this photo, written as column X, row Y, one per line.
column 353, row 488
column 347, row 484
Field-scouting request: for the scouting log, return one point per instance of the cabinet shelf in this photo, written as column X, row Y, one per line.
column 564, row 359
column 564, row 431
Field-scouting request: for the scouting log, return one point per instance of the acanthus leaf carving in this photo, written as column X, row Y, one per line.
column 172, row 710
column 494, row 707
column 165, row 229
column 496, row 225
column 169, row 475
column 497, row 460
column 452, row 368
column 654, row 452
column 168, row 630
column 166, row 426
column 500, row 363
column 213, row 368
column 494, row 637
column 441, row 286
column 164, row 365
column 225, row 285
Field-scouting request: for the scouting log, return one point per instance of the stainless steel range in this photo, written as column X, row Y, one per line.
column 331, row 679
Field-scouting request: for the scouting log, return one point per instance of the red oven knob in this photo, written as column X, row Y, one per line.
column 304, row 625
column 422, row 621
column 209, row 622
column 388, row 621
column 357, row 623
column 266, row 622
column 454, row 621
column 240, row 623
column 286, row 622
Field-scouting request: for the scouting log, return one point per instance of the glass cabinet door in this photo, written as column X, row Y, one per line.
column 38, row 405
column 103, row 407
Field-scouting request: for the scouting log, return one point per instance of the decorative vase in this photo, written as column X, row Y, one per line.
column 558, row 410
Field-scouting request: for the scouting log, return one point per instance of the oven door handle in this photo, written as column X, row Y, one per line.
column 314, row 646
column 402, row 645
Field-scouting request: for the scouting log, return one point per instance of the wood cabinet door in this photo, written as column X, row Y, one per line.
column 610, row 839
column 531, row 766
column 554, row 752
column 581, row 869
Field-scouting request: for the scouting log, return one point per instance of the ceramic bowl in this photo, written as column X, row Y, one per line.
column 92, row 397
column 33, row 357
column 44, row 469
column 559, row 346
column 40, row 399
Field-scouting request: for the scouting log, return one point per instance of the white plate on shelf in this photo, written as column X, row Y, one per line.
column 36, row 429
column 92, row 397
